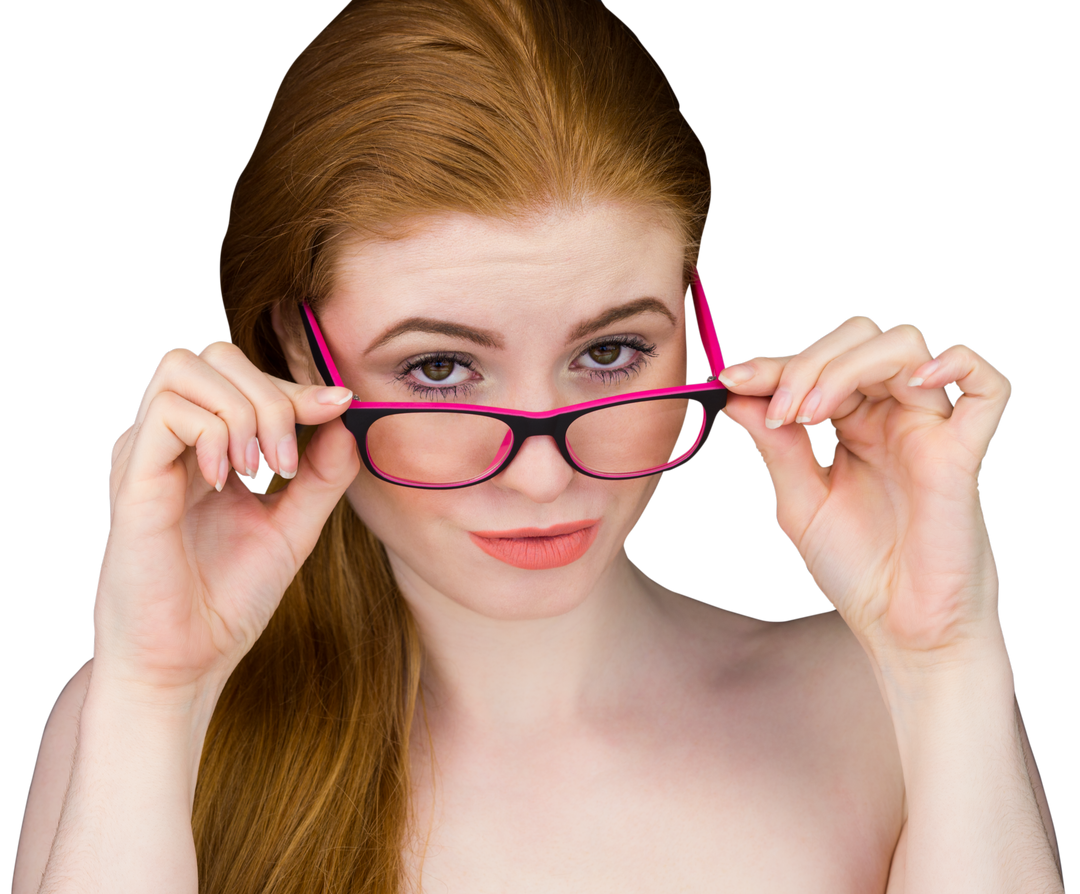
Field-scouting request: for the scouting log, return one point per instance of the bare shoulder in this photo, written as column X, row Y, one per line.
column 804, row 689
column 49, row 784
column 817, row 656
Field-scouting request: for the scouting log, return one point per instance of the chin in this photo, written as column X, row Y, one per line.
column 468, row 579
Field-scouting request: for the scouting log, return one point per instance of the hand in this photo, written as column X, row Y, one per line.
column 196, row 564
column 892, row 532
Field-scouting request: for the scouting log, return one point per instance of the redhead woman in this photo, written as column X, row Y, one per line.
column 459, row 273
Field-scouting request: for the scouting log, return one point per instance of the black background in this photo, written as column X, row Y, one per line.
column 902, row 168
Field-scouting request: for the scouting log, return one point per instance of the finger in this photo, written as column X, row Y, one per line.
column 198, row 380
column 329, row 465
column 788, row 379
column 801, row 484
column 878, row 368
column 171, row 425
column 279, row 405
column 193, row 378
column 985, row 391
column 169, row 357
column 121, row 446
column 170, row 369
column 121, row 450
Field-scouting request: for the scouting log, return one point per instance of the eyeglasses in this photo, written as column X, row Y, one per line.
column 442, row 446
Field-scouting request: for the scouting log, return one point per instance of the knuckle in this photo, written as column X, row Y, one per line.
column 239, row 414
column 862, row 324
column 793, row 373
column 217, row 430
column 210, row 431
column 172, row 362
column 913, row 332
column 278, row 410
column 217, row 346
column 223, row 354
column 799, row 369
column 176, row 358
column 910, row 335
column 966, row 355
column 1003, row 383
column 160, row 406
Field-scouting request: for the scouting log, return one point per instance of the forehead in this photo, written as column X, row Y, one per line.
column 556, row 262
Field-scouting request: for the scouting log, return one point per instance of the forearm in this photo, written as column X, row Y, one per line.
column 973, row 821
column 126, row 820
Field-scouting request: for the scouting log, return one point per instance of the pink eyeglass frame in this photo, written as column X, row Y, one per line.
column 361, row 415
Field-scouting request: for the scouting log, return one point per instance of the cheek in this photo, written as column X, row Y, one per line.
column 629, row 500
column 403, row 518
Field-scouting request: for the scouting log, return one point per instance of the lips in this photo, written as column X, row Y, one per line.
column 538, row 548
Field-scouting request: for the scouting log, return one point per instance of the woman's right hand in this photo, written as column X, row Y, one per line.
column 192, row 575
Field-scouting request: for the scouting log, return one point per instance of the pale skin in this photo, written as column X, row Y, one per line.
column 585, row 729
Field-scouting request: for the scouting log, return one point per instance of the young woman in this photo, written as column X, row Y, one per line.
column 425, row 659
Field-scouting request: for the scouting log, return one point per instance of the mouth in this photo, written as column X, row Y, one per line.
column 537, row 548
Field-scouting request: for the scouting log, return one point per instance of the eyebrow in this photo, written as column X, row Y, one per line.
column 488, row 339
column 622, row 312
column 482, row 337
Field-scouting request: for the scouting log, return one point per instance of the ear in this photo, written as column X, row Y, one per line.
column 290, row 334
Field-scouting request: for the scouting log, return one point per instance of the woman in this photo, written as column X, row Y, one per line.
column 499, row 205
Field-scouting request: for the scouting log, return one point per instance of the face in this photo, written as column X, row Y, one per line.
column 559, row 309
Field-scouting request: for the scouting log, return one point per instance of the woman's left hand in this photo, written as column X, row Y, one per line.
column 892, row 532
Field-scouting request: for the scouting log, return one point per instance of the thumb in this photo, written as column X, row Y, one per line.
column 801, row 484
column 328, row 465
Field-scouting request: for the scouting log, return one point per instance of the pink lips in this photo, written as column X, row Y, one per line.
column 537, row 548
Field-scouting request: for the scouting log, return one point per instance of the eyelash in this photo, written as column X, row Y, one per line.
column 607, row 376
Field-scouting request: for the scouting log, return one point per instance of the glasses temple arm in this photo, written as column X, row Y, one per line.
column 705, row 326
column 319, row 351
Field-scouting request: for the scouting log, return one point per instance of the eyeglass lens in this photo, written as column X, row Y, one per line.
column 452, row 448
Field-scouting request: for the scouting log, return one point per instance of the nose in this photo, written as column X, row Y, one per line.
column 538, row 472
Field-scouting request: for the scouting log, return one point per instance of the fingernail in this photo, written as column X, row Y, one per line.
column 736, row 375
column 928, row 369
column 781, row 403
column 335, row 396
column 251, row 457
column 286, row 456
column 223, row 473
column 809, row 407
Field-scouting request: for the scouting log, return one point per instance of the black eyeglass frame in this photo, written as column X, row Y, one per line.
column 360, row 416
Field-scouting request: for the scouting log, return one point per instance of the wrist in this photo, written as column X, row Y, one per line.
column 962, row 695
column 977, row 645
column 170, row 703
column 163, row 726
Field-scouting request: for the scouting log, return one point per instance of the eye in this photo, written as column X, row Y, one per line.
column 437, row 370
column 605, row 355
column 614, row 353
column 430, row 373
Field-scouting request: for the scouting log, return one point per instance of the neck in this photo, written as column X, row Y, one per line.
column 502, row 676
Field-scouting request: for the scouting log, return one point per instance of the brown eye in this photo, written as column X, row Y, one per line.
column 605, row 354
column 437, row 370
